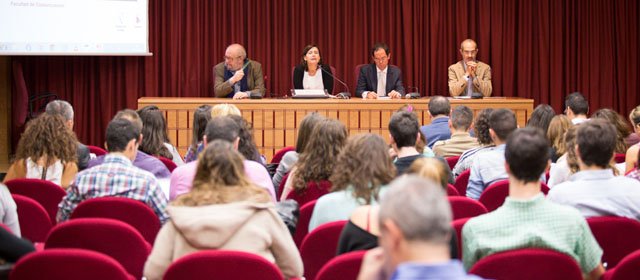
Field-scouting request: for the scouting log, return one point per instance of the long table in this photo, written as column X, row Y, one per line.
column 275, row 121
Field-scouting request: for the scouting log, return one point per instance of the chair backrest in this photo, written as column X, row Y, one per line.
column 462, row 181
column 617, row 236
column 302, row 228
column 452, row 191
column 35, row 223
column 457, row 226
column 44, row 192
column 277, row 157
column 210, row 264
column 319, row 247
column 133, row 212
column 345, row 266
column 356, row 74
column 69, row 264
column 452, row 161
column 619, row 158
column 464, row 207
column 281, row 186
column 495, row 194
column 168, row 163
column 312, row 192
column 627, row 268
column 528, row 264
column 97, row 150
column 113, row 238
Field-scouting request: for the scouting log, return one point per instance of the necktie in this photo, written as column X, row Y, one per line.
column 381, row 85
column 470, row 86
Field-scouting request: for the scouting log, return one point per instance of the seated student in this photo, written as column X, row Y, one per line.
column 47, row 151
column 223, row 109
column 360, row 175
column 319, row 157
column 527, row 219
column 577, row 108
column 201, row 116
column 117, row 176
column 155, row 140
column 311, row 73
column 541, row 117
column 8, row 211
column 12, row 247
column 619, row 123
column 141, row 160
column 631, row 156
column 567, row 164
column 595, row 190
column 415, row 235
column 481, row 130
column 431, row 168
column 460, row 141
column 290, row 158
column 65, row 110
column 438, row 129
column 635, row 173
column 489, row 167
column 223, row 211
column 247, row 146
column 224, row 128
column 555, row 134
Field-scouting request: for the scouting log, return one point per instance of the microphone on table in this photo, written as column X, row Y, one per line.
column 341, row 95
column 414, row 94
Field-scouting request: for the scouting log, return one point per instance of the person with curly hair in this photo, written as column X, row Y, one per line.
column 622, row 127
column 361, row 172
column 481, row 130
column 316, row 163
column 223, row 211
column 155, row 140
column 47, row 151
column 200, row 118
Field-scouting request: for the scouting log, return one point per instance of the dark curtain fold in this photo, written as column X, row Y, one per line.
column 537, row 49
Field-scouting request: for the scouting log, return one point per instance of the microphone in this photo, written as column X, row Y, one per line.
column 414, row 94
column 341, row 95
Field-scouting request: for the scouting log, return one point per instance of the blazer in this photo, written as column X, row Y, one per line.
column 255, row 79
column 368, row 79
column 458, row 84
column 327, row 80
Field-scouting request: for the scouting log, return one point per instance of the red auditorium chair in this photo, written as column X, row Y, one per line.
column 457, row 226
column 312, row 192
column 627, row 269
column 213, row 264
column 34, row 220
column 464, row 207
column 97, row 150
column 133, row 212
column 281, row 186
column 113, row 238
column 344, row 267
column 277, row 157
column 528, row 264
column 68, row 264
column 462, row 181
column 44, row 192
column 451, row 190
column 617, row 236
column 494, row 195
column 168, row 163
column 319, row 247
column 452, row 161
column 302, row 228
column 619, row 158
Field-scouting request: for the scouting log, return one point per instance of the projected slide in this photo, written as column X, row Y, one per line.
column 73, row 27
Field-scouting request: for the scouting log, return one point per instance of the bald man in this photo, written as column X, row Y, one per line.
column 469, row 77
column 237, row 77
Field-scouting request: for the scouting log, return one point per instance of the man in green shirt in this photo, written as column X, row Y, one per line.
column 527, row 219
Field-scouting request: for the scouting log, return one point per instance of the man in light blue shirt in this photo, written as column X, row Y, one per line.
column 438, row 129
column 489, row 167
column 594, row 190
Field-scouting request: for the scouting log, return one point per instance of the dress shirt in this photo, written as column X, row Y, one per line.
column 142, row 161
column 338, row 206
column 466, row 159
column 456, row 145
column 487, row 169
column 417, row 271
column 437, row 130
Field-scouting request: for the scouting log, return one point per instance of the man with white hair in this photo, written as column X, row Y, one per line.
column 415, row 228
column 64, row 109
column 238, row 76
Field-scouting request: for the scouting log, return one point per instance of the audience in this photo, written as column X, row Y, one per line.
column 360, row 175
column 489, row 167
column 438, row 129
column 155, row 140
column 223, row 211
column 8, row 211
column 527, row 219
column 577, row 108
column 223, row 128
column 619, row 123
column 421, row 144
column 631, row 158
column 142, row 160
column 290, row 158
column 481, row 129
column 555, row 134
column 247, row 146
column 201, row 116
column 541, row 117
column 63, row 108
column 224, row 109
column 567, row 164
column 46, row 150
column 460, row 141
column 405, row 132
column 117, row 176
column 415, row 233
column 595, row 190
column 635, row 173
column 319, row 157
column 431, row 168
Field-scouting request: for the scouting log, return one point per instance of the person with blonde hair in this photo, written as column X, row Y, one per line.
column 47, row 151
column 631, row 157
column 430, row 168
column 223, row 211
column 224, row 109
column 555, row 134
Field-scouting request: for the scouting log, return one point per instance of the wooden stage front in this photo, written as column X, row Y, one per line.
column 275, row 121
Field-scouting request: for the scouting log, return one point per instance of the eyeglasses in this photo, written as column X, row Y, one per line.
column 231, row 58
column 470, row 52
column 381, row 59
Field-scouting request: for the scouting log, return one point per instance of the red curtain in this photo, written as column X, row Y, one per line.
column 537, row 49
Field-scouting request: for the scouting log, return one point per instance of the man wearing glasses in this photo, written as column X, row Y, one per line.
column 380, row 79
column 469, row 77
column 238, row 77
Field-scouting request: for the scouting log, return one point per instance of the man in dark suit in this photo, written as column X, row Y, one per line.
column 380, row 79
